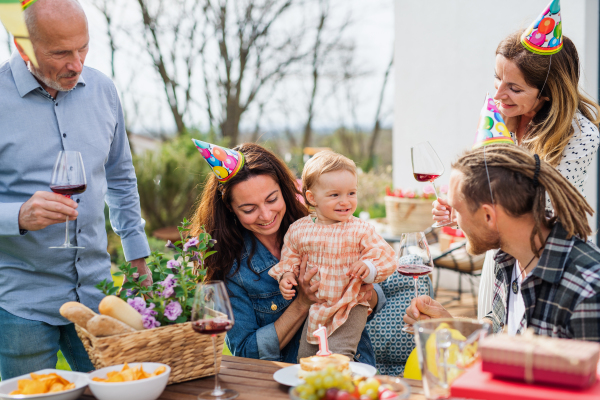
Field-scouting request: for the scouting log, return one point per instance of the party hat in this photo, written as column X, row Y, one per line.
column 11, row 15
column 491, row 128
column 224, row 162
column 544, row 36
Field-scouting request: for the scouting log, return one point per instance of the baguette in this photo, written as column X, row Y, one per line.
column 119, row 309
column 77, row 313
column 103, row 325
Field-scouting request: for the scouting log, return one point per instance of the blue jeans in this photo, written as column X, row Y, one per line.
column 28, row 346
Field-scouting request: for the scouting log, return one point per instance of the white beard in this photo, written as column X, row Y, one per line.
column 48, row 82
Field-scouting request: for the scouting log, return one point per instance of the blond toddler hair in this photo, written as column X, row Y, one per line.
column 321, row 163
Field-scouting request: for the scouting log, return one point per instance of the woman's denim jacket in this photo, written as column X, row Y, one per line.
column 257, row 303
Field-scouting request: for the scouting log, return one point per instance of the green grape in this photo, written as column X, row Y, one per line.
column 330, row 370
column 372, row 393
column 328, row 382
column 312, row 397
column 318, row 382
column 320, row 393
column 310, row 379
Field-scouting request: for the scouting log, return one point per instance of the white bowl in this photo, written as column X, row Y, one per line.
column 79, row 378
column 144, row 389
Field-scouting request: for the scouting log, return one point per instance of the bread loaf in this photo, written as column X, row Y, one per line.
column 77, row 313
column 103, row 325
column 119, row 309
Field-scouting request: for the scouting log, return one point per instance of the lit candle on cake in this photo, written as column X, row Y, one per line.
column 321, row 334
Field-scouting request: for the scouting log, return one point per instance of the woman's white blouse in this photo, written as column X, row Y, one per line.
column 576, row 159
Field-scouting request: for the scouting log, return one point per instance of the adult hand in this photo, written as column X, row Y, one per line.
column 307, row 292
column 143, row 269
column 44, row 209
column 441, row 210
column 424, row 307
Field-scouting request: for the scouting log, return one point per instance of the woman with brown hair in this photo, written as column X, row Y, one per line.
column 547, row 113
column 248, row 211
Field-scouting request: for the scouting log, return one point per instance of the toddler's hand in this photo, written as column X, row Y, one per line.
column 286, row 285
column 358, row 270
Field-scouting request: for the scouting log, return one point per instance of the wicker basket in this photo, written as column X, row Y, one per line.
column 189, row 354
column 408, row 215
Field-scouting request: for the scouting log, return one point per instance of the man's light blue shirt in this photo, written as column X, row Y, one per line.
column 35, row 280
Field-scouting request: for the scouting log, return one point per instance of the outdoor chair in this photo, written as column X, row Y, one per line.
column 393, row 346
column 458, row 260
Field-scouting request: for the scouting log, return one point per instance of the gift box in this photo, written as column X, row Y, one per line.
column 541, row 359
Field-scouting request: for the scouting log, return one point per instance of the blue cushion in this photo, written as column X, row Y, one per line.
column 392, row 346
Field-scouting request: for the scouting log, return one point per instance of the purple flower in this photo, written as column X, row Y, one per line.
column 170, row 245
column 168, row 284
column 173, row 264
column 150, row 322
column 193, row 242
column 173, row 310
column 138, row 304
column 194, row 257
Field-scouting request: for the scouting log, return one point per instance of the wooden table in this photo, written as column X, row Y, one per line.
column 252, row 379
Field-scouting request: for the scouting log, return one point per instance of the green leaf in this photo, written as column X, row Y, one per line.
column 209, row 253
column 129, row 285
column 176, row 257
column 143, row 277
column 119, row 273
column 179, row 292
column 189, row 302
column 177, row 243
column 113, row 291
column 180, row 320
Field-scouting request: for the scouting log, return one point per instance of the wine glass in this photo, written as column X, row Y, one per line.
column 414, row 259
column 211, row 315
column 427, row 167
column 68, row 178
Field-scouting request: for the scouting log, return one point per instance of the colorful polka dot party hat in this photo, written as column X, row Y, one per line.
column 224, row 162
column 491, row 128
column 544, row 36
column 11, row 15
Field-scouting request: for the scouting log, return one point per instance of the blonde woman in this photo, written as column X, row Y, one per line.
column 547, row 113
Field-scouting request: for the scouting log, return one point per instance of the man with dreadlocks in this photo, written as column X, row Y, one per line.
column 498, row 194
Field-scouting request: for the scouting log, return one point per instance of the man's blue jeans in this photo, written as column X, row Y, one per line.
column 28, row 346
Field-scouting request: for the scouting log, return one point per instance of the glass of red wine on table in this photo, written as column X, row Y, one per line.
column 211, row 315
column 427, row 167
column 414, row 259
column 68, row 179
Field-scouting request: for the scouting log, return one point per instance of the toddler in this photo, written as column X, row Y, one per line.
column 345, row 250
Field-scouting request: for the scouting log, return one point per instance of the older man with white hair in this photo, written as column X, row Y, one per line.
column 58, row 105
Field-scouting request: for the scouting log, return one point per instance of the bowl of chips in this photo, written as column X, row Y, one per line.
column 136, row 381
column 47, row 384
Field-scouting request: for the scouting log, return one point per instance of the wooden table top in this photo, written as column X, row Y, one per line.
column 252, row 379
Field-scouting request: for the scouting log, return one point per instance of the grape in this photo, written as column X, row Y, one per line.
column 320, row 393
column 364, row 397
column 318, row 382
column 331, row 394
column 372, row 393
column 343, row 395
column 310, row 379
column 328, row 382
column 312, row 397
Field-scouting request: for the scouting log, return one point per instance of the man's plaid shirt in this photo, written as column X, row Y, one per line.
column 561, row 294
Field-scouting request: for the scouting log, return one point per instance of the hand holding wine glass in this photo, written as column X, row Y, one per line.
column 427, row 167
column 211, row 315
column 68, row 178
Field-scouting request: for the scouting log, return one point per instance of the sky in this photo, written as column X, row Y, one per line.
column 371, row 32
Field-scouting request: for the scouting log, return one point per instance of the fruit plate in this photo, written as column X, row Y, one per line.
column 289, row 376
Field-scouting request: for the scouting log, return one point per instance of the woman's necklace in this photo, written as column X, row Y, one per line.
column 515, row 285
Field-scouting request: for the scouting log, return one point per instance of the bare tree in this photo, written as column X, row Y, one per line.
column 377, row 126
column 171, row 30
column 255, row 50
column 327, row 41
column 9, row 42
column 108, row 10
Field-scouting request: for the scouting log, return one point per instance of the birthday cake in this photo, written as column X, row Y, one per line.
column 317, row 363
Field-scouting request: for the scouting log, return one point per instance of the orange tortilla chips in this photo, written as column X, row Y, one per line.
column 42, row 384
column 129, row 374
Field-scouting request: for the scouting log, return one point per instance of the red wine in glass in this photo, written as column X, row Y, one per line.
column 68, row 179
column 68, row 190
column 212, row 326
column 426, row 177
column 427, row 167
column 212, row 315
column 414, row 259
